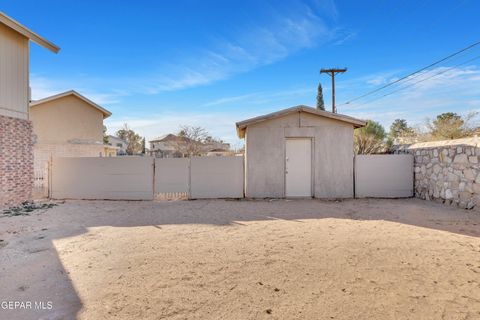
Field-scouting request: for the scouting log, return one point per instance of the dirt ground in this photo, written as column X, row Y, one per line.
column 305, row 259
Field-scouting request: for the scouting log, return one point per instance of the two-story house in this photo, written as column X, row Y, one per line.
column 67, row 125
column 118, row 143
column 176, row 146
column 16, row 139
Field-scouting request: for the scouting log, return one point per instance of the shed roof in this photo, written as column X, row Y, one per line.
column 105, row 112
column 242, row 125
column 15, row 25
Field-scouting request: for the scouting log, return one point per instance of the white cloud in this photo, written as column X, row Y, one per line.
column 344, row 36
column 228, row 100
column 255, row 46
column 220, row 125
column 259, row 98
column 430, row 93
column 287, row 30
column 43, row 87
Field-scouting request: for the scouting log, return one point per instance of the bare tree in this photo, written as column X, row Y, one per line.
column 190, row 141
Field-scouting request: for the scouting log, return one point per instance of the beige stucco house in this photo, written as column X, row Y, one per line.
column 118, row 143
column 16, row 143
column 175, row 146
column 299, row 152
column 67, row 125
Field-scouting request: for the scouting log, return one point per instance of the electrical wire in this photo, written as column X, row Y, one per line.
column 419, row 81
column 411, row 74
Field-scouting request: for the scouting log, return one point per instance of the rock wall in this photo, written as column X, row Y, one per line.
column 448, row 171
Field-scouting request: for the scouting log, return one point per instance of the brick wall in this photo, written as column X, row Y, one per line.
column 16, row 161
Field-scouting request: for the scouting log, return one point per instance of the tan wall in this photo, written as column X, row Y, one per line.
column 200, row 177
column 43, row 152
column 216, row 177
column 332, row 155
column 109, row 152
column 14, row 91
column 131, row 178
column 64, row 119
column 384, row 176
column 172, row 175
column 118, row 178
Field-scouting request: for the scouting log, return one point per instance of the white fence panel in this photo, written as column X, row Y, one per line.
column 116, row 178
column 216, row 177
column 172, row 175
column 384, row 176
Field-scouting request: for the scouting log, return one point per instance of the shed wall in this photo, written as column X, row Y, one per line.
column 332, row 155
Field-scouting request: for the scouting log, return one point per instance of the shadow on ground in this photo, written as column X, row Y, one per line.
column 28, row 257
column 413, row 212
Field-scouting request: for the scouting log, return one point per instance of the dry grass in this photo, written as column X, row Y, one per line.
column 309, row 259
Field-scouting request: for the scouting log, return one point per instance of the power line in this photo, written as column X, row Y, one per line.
column 422, row 80
column 413, row 73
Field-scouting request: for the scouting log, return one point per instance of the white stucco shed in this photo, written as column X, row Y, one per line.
column 299, row 152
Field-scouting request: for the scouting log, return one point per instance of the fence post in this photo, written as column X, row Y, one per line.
column 49, row 174
column 153, row 179
column 189, row 177
column 354, row 173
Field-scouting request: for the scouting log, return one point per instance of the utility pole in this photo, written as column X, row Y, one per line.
column 332, row 72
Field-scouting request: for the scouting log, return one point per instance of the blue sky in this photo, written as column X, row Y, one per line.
column 161, row 64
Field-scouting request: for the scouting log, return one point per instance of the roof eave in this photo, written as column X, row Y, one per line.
column 104, row 111
column 242, row 125
column 18, row 27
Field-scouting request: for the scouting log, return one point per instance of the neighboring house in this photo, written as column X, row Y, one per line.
column 167, row 146
column 299, row 152
column 68, row 125
column 16, row 139
column 171, row 146
column 219, row 152
column 118, row 143
column 211, row 146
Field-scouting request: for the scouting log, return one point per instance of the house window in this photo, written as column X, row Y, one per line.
column 119, row 145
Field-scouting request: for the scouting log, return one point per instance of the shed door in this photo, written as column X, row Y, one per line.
column 298, row 168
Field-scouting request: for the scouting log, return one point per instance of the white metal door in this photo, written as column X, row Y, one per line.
column 298, row 168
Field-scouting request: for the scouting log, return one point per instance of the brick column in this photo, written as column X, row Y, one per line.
column 16, row 161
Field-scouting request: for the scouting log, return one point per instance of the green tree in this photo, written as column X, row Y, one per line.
column 320, row 103
column 450, row 125
column 105, row 137
column 370, row 139
column 133, row 140
column 400, row 132
column 143, row 146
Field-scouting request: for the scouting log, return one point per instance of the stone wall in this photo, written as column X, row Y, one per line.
column 448, row 171
column 16, row 161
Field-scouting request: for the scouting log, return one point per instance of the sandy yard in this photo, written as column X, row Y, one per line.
column 305, row 259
